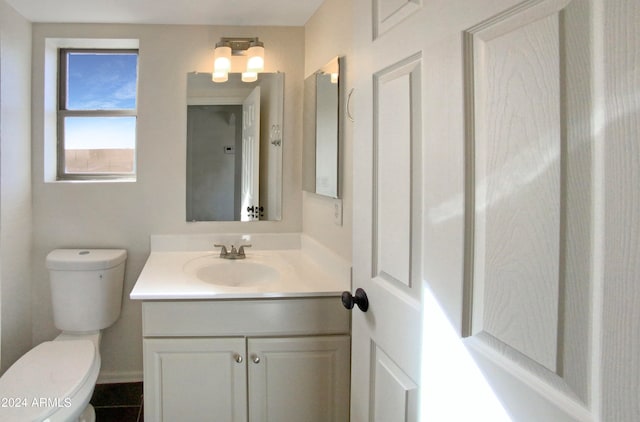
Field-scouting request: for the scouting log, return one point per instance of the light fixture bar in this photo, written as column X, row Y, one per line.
column 252, row 48
column 240, row 46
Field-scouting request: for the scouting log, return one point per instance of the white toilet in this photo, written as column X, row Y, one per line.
column 54, row 381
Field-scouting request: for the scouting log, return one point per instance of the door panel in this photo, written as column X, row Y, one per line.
column 395, row 393
column 517, row 186
column 528, row 197
column 388, row 13
column 396, row 116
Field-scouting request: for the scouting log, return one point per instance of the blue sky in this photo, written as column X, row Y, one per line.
column 101, row 82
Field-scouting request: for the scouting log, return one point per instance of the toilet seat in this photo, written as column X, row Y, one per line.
column 46, row 378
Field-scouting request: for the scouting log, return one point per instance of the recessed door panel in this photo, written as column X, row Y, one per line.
column 517, row 182
column 388, row 13
column 529, row 255
column 397, row 111
column 395, row 393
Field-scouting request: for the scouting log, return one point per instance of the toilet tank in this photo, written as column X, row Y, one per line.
column 86, row 287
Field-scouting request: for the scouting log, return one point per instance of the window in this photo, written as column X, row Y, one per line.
column 97, row 103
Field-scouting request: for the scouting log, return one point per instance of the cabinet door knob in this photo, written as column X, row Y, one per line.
column 255, row 359
column 237, row 358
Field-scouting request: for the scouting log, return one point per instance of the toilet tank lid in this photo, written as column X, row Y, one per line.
column 85, row 259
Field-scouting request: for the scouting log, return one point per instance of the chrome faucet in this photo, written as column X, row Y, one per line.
column 233, row 253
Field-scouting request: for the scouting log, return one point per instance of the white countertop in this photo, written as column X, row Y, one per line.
column 166, row 276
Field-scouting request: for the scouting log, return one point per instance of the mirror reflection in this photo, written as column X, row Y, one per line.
column 234, row 148
column 322, row 130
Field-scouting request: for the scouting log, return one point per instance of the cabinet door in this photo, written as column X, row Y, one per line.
column 196, row 380
column 299, row 379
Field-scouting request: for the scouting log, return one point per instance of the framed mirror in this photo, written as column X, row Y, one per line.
column 323, row 99
column 234, row 148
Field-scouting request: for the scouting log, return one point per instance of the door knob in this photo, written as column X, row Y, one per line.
column 360, row 299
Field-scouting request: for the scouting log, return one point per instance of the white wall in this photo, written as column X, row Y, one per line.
column 328, row 34
column 15, row 185
column 125, row 214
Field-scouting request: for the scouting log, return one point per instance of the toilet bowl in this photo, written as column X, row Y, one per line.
column 54, row 381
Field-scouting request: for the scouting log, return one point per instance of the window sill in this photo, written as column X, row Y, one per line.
column 82, row 181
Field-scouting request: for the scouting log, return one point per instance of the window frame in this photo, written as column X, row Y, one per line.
column 62, row 112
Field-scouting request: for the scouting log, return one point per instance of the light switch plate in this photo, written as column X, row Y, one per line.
column 337, row 212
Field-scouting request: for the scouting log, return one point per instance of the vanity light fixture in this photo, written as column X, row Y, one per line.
column 251, row 48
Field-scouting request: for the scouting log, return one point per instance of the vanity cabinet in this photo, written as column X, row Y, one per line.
column 258, row 360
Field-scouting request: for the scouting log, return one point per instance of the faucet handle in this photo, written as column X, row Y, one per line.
column 223, row 251
column 241, row 250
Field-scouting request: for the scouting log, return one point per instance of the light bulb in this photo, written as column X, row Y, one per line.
column 249, row 76
column 255, row 61
column 222, row 59
column 220, row 76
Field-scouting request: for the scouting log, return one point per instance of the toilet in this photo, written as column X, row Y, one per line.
column 54, row 381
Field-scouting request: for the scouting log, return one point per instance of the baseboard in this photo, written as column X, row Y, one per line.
column 119, row 377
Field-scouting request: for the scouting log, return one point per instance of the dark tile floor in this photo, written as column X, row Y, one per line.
column 118, row 402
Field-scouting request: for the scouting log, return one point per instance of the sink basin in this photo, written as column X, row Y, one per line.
column 231, row 273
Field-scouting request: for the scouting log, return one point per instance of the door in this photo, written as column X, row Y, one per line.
column 472, row 192
column 387, row 216
column 299, row 379
column 172, row 365
column 250, row 185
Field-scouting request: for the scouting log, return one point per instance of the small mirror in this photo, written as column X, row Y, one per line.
column 322, row 130
column 234, row 148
